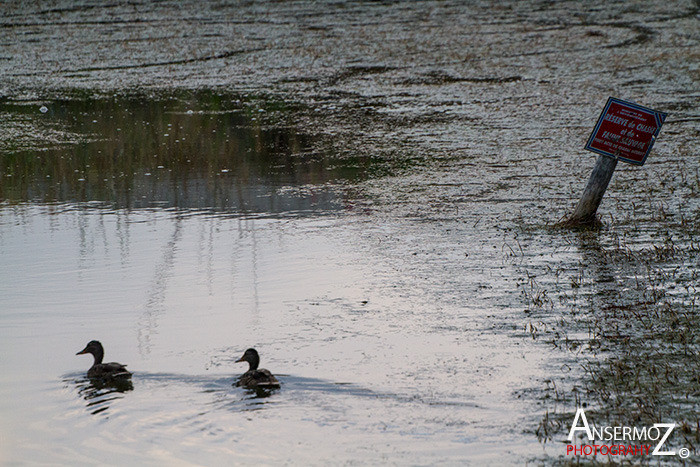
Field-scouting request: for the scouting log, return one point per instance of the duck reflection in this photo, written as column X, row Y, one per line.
column 260, row 392
column 99, row 393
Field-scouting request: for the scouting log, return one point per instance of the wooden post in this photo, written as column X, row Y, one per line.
column 593, row 194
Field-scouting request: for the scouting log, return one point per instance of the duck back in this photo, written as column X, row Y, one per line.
column 257, row 378
column 108, row 370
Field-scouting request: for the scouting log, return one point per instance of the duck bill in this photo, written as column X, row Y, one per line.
column 239, row 360
column 85, row 350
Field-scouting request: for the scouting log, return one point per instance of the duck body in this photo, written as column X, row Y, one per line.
column 108, row 370
column 255, row 378
column 112, row 370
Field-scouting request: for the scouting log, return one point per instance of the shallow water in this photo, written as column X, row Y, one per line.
column 363, row 361
column 398, row 328
column 178, row 269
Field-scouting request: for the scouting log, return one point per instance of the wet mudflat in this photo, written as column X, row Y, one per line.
column 364, row 193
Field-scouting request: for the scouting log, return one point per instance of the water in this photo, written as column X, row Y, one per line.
column 381, row 233
column 178, row 257
column 362, row 360
column 401, row 330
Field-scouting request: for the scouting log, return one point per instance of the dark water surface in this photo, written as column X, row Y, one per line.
column 192, row 151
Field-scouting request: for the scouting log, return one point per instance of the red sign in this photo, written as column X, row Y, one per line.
column 626, row 131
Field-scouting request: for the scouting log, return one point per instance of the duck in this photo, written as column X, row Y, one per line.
column 98, row 369
column 255, row 378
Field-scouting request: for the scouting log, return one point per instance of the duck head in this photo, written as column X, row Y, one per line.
column 94, row 348
column 251, row 356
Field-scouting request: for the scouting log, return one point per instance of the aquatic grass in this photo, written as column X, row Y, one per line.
column 634, row 309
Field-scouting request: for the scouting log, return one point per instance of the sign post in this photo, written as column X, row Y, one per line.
column 626, row 132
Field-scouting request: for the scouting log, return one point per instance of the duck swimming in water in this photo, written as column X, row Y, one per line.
column 103, row 370
column 255, row 378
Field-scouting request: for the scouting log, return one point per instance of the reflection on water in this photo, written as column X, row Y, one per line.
column 148, row 322
column 192, row 151
column 99, row 393
column 260, row 393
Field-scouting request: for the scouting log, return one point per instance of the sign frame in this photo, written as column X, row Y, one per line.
column 620, row 153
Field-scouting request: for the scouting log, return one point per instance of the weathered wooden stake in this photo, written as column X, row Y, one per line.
column 593, row 194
